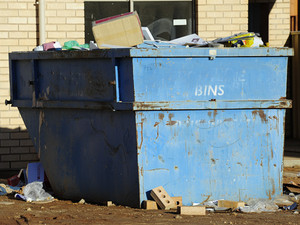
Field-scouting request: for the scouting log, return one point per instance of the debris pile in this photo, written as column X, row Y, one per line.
column 125, row 31
column 28, row 185
column 162, row 200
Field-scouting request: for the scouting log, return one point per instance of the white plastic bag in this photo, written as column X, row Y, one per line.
column 35, row 192
column 259, row 205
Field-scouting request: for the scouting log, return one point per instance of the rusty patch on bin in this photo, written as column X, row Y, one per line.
column 262, row 115
column 142, row 171
column 142, row 138
column 215, row 113
column 272, row 154
column 161, row 116
column 171, row 122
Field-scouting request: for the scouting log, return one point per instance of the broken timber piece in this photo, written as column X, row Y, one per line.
column 149, row 205
column 162, row 198
column 191, row 210
column 178, row 201
column 230, row 204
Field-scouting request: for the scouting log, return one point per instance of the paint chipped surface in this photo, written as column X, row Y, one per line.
column 211, row 146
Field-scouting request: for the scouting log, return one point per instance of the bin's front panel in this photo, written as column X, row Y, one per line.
column 197, row 79
column 76, row 79
column 215, row 154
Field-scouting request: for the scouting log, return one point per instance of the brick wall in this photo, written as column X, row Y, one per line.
column 221, row 18
column 65, row 21
column 19, row 32
column 279, row 23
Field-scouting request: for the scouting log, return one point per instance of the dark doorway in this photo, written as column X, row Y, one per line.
column 258, row 14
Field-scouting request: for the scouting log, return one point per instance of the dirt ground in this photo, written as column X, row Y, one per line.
column 14, row 211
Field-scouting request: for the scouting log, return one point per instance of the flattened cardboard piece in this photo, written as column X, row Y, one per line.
column 123, row 30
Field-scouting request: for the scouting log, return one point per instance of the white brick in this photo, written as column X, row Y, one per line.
column 73, row 6
column 4, row 165
column 9, row 143
column 20, row 150
column 29, row 157
column 17, row 6
column 17, row 20
column 18, row 165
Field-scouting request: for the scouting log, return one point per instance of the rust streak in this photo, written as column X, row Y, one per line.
column 215, row 113
column 262, row 115
column 156, row 124
column 142, row 138
column 171, row 122
column 272, row 154
column 161, row 116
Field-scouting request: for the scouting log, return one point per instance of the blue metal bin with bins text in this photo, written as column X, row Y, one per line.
column 110, row 125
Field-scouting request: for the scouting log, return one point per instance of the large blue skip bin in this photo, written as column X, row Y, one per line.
column 113, row 124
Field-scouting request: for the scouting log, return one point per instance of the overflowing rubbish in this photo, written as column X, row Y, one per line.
column 190, row 40
column 74, row 45
column 82, row 201
column 125, row 31
column 122, row 30
column 35, row 192
column 17, row 180
column 7, row 189
column 291, row 207
column 20, row 197
column 244, row 39
column 34, row 172
column 283, row 200
column 259, row 205
column 162, row 200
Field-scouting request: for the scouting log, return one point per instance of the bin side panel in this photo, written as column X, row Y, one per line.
column 21, row 74
column 184, row 79
column 216, row 154
column 76, row 79
column 88, row 154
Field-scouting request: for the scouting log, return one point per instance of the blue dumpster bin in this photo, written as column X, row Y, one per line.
column 110, row 125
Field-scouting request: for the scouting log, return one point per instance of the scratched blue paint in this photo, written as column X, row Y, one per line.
column 181, row 79
column 110, row 125
column 221, row 154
